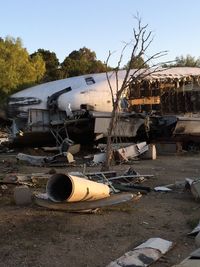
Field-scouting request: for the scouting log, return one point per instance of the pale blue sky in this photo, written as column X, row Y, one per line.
column 62, row 26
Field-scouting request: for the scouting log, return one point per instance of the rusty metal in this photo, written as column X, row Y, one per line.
column 151, row 100
column 187, row 126
column 87, row 205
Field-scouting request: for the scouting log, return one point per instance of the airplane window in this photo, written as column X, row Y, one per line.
column 89, row 80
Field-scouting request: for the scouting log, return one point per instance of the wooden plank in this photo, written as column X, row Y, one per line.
column 152, row 100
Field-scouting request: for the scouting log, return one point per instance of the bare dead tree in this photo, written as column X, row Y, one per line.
column 142, row 39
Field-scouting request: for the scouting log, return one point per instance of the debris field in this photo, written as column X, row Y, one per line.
column 32, row 235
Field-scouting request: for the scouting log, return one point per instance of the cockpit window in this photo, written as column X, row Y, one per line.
column 89, row 80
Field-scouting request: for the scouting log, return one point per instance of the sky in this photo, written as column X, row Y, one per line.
column 62, row 26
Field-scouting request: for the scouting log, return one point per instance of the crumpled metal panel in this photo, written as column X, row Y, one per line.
column 126, row 127
column 187, row 126
column 143, row 255
column 113, row 199
column 192, row 261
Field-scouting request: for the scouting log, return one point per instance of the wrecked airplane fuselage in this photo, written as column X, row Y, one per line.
column 66, row 95
column 81, row 106
column 61, row 108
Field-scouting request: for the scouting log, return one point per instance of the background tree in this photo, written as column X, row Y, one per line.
column 187, row 61
column 17, row 68
column 51, row 63
column 140, row 43
column 136, row 63
column 81, row 62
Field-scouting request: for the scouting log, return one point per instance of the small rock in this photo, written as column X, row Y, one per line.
column 22, row 195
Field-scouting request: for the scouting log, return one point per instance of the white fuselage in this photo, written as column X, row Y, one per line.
column 91, row 89
column 95, row 93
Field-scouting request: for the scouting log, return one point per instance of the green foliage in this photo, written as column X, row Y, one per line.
column 16, row 66
column 188, row 61
column 51, row 63
column 72, row 67
column 19, row 70
column 137, row 63
column 81, row 62
column 83, row 54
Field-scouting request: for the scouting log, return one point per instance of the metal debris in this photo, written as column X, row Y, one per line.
column 43, row 160
column 34, row 179
column 76, row 191
column 126, row 126
column 162, row 189
column 99, row 158
column 150, row 153
column 85, row 205
column 187, row 126
column 75, row 187
column 131, row 151
column 128, row 182
column 194, row 186
column 192, row 261
column 143, row 255
column 195, row 231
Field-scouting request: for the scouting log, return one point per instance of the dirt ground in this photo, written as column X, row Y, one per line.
column 34, row 236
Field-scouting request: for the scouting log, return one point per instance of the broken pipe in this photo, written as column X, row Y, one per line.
column 72, row 188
